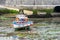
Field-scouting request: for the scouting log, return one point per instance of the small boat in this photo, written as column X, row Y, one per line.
column 22, row 22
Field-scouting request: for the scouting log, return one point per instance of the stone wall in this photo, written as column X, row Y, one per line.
column 29, row 2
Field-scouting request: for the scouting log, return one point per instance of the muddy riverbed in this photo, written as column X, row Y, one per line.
column 43, row 29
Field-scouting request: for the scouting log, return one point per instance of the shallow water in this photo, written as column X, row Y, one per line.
column 45, row 28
